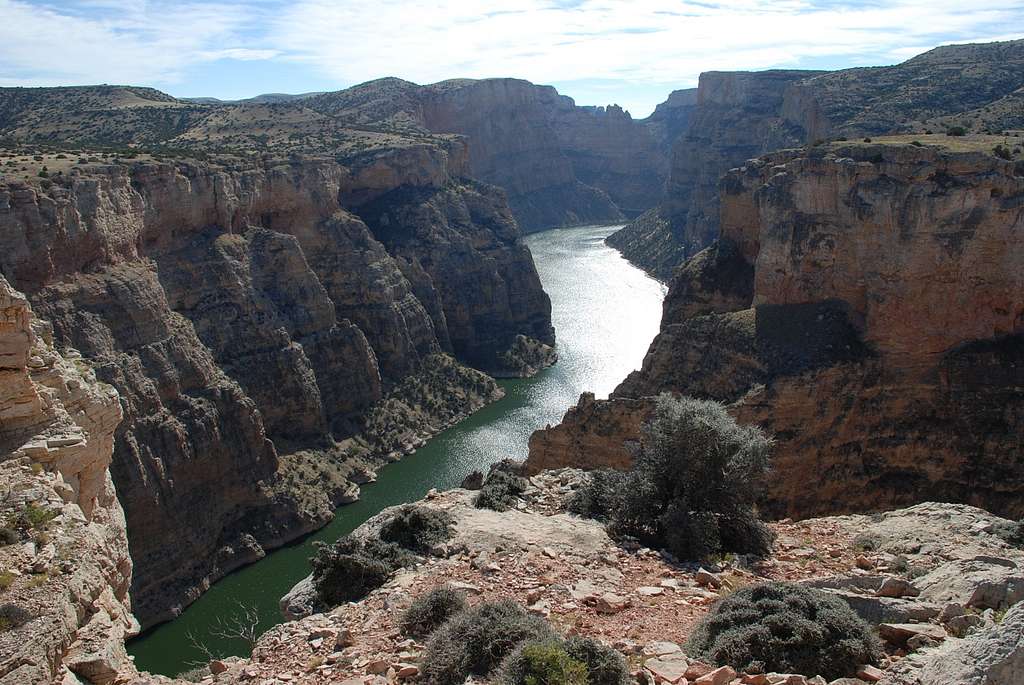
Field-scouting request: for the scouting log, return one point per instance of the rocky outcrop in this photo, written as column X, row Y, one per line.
column 740, row 115
column 644, row 604
column 64, row 553
column 267, row 321
column 591, row 433
column 864, row 305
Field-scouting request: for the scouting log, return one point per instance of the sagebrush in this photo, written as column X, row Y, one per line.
column 418, row 528
column 351, row 568
column 693, row 486
column 430, row 610
column 475, row 641
column 500, row 491
column 786, row 628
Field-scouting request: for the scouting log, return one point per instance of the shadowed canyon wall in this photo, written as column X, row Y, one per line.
column 270, row 346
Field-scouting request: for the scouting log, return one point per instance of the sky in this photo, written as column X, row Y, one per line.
column 627, row 52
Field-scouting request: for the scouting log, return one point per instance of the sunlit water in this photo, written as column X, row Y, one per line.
column 605, row 313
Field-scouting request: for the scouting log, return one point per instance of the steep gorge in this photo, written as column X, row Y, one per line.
column 270, row 347
column 865, row 304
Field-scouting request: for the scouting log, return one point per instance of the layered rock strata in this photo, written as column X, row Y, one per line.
column 267, row 342
column 865, row 305
column 69, row 570
column 739, row 115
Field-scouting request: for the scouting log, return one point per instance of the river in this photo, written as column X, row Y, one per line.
column 605, row 312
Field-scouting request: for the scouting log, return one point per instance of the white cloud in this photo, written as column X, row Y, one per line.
column 116, row 41
column 636, row 43
column 637, row 40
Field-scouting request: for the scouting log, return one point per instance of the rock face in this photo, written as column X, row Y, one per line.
column 560, row 164
column 270, row 327
column 72, row 573
column 739, row 115
column 865, row 305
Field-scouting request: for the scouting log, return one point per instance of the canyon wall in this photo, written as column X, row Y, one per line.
column 559, row 163
column 65, row 549
column 276, row 331
column 736, row 117
column 864, row 304
column 740, row 115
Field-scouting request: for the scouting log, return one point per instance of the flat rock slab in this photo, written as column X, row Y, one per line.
column 899, row 633
column 668, row 669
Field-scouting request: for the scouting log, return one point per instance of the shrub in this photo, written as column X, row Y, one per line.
column 476, row 640
column 1011, row 532
column 1002, row 152
column 599, row 496
column 956, row 131
column 917, row 143
column 866, row 542
column 36, row 517
column 418, row 528
column 500, row 491
column 6, row 580
column 351, row 568
column 786, row 628
column 428, row 611
column 13, row 616
column 8, row 536
column 605, row 666
column 695, row 481
column 542, row 663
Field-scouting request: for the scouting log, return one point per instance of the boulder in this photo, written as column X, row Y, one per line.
column 994, row 656
column 670, row 668
column 983, row 582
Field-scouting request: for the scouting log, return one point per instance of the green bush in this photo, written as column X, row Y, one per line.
column 476, row 640
column 693, row 486
column 351, row 568
column 956, row 131
column 500, row 491
column 605, row 665
column 13, row 616
column 786, row 628
column 600, row 495
column 428, row 611
column 418, row 528
column 542, row 663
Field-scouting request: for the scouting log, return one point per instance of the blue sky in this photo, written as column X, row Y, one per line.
column 629, row 52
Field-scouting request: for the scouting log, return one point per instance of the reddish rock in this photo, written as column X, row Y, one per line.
column 719, row 676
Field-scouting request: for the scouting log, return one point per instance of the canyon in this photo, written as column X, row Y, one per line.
column 865, row 304
column 218, row 320
column 270, row 349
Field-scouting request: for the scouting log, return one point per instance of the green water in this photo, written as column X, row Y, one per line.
column 605, row 313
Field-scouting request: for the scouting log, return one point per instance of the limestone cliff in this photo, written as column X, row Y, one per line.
column 865, row 304
column 739, row 115
column 64, row 555
column 559, row 163
column 265, row 339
